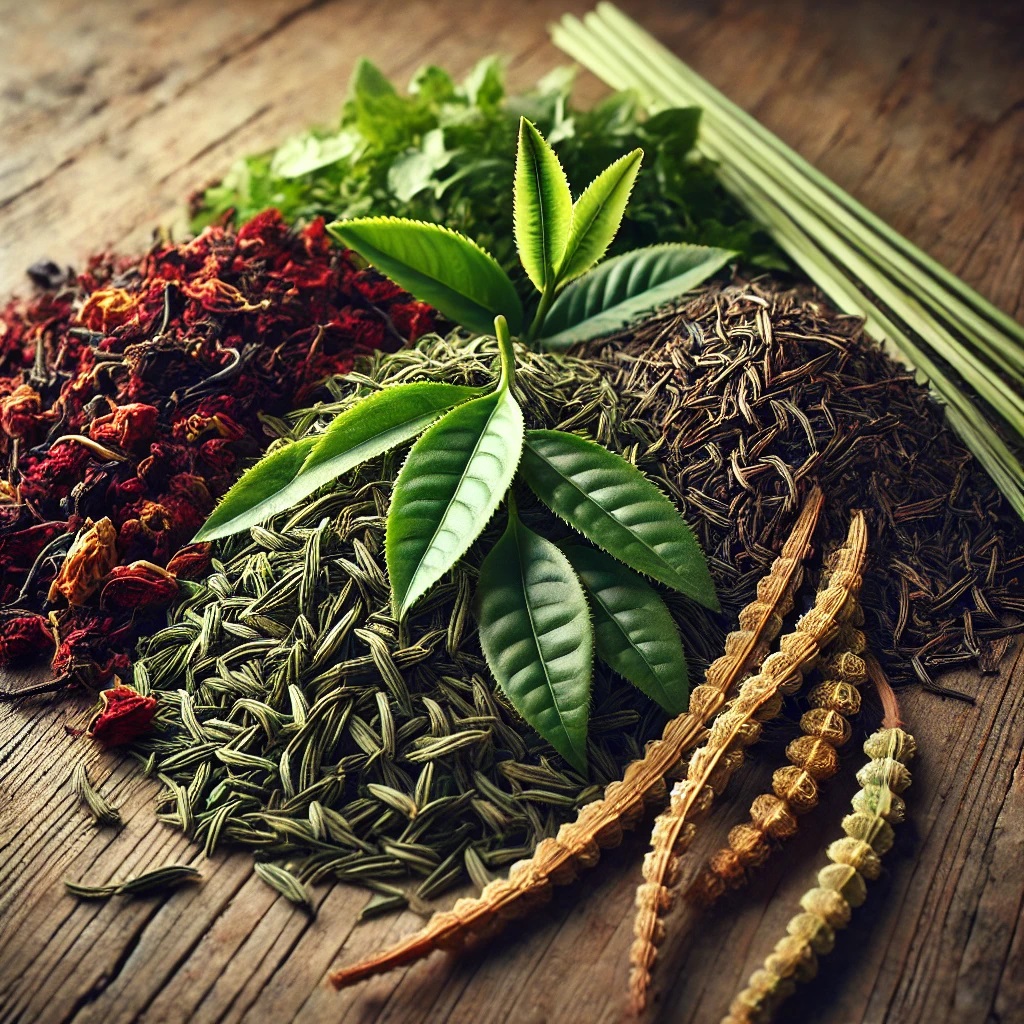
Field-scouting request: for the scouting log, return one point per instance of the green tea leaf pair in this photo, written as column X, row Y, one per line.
column 559, row 240
column 538, row 638
column 532, row 607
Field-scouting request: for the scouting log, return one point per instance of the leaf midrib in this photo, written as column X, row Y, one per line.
column 462, row 477
column 536, row 641
column 545, row 265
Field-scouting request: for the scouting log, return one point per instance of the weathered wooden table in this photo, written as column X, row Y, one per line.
column 111, row 113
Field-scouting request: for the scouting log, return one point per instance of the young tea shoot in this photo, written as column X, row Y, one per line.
column 542, row 611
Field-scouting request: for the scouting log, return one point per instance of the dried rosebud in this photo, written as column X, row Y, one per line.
column 139, row 585
column 92, row 555
column 128, row 426
column 125, row 714
column 108, row 308
column 192, row 562
column 21, row 413
column 24, row 638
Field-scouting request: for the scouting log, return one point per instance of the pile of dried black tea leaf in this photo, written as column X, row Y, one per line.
column 759, row 392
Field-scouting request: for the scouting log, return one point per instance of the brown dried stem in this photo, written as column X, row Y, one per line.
column 738, row 726
column 600, row 825
column 841, row 885
column 813, row 758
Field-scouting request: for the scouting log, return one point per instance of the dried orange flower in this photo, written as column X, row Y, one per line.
column 89, row 560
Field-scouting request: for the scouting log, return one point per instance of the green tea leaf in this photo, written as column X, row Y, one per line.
column 438, row 266
column 626, row 287
column 597, row 214
column 617, row 508
column 257, row 494
column 537, row 638
column 447, row 491
column 633, row 629
column 542, row 207
column 375, row 425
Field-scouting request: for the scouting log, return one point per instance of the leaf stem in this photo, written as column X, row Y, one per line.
column 508, row 356
column 547, row 296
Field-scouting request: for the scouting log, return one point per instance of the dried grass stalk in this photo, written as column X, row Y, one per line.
column 841, row 885
column 713, row 764
column 599, row 825
column 813, row 757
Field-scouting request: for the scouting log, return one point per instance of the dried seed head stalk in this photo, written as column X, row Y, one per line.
column 813, row 758
column 599, row 825
column 739, row 725
column 841, row 885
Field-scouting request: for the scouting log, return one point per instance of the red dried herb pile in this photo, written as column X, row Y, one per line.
column 130, row 398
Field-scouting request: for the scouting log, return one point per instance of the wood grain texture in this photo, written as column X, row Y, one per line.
column 110, row 114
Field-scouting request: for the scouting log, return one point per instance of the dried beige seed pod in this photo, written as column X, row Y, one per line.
column 773, row 817
column 885, row 771
column 837, row 695
column 827, row 725
column 880, row 800
column 828, row 905
column 813, row 931
column 848, row 666
column 796, row 787
column 857, row 854
column 871, row 829
column 894, row 743
column 846, row 881
column 816, row 757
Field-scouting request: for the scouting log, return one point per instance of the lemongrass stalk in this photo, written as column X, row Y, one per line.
column 791, row 172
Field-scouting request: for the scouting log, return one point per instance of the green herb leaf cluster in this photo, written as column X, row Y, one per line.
column 444, row 154
column 559, row 242
column 541, row 612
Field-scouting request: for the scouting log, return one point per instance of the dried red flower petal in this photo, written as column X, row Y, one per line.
column 192, row 562
column 24, row 638
column 128, row 426
column 137, row 586
column 108, row 308
column 124, row 716
column 21, row 414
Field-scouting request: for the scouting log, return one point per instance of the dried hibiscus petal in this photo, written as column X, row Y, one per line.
column 124, row 715
column 139, row 585
column 24, row 638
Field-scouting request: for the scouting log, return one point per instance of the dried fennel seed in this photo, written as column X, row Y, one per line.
column 738, row 726
column 155, row 881
column 102, row 811
column 600, row 825
column 760, row 391
column 297, row 719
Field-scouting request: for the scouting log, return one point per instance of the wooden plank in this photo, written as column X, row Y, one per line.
column 109, row 119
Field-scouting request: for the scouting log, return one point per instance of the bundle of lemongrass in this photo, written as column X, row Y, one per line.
column 942, row 328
